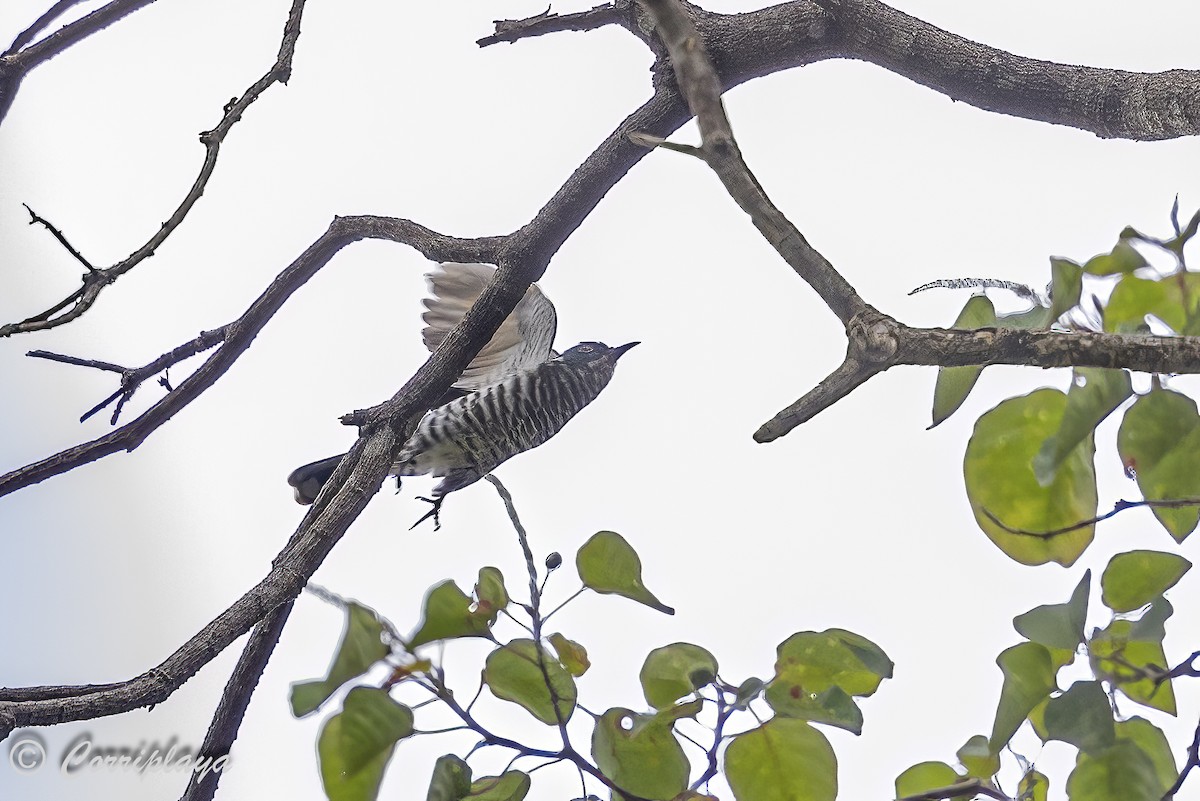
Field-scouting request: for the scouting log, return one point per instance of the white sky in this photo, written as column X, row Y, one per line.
column 857, row 520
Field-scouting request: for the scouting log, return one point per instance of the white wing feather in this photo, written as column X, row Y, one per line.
column 524, row 339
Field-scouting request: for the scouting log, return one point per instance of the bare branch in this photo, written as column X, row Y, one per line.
column 840, row 383
column 40, row 24
column 322, row 527
column 62, row 240
column 15, row 66
column 228, row 718
column 1109, row 103
column 96, row 280
column 237, row 336
column 698, row 80
column 511, row 30
column 883, row 342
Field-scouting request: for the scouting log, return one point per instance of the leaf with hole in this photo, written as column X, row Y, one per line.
column 640, row 754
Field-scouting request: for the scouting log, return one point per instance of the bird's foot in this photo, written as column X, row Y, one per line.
column 435, row 512
column 397, row 485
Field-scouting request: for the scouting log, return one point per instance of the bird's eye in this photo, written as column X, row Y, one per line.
column 586, row 349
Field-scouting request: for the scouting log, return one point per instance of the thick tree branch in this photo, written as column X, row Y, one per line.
column 94, row 280
column 321, row 528
column 700, row 84
column 228, row 717
column 1109, row 103
column 879, row 342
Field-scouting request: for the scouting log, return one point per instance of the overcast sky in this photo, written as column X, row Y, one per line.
column 856, row 520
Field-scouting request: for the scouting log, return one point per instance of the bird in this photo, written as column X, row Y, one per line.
column 515, row 395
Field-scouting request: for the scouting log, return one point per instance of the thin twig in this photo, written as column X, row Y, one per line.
column 1193, row 761
column 511, row 30
column 535, row 601
column 1119, row 506
column 35, row 218
column 96, row 279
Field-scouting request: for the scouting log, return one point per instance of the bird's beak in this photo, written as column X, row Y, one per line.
column 618, row 351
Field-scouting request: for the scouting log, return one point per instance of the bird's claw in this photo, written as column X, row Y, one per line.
column 434, row 512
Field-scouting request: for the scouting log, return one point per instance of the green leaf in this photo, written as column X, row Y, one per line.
column 512, row 785
column 977, row 757
column 1120, row 772
column 817, row 672
column 1058, row 626
column 448, row 614
column 1000, row 480
column 747, row 691
column 1124, row 258
column 356, row 744
column 1121, row 654
column 1037, row 318
column 1028, row 678
column 1159, row 439
column 451, row 780
column 673, row 671
column 1034, row 786
column 360, row 648
column 1066, row 286
column 1082, row 717
column 514, row 674
column 1037, row 717
column 923, row 777
column 574, row 657
column 1151, row 626
column 1134, row 298
column 1101, row 392
column 832, row 706
column 609, row 565
column 640, row 754
column 1153, row 743
column 784, row 759
column 490, row 593
column 1136, row 578
column 954, row 384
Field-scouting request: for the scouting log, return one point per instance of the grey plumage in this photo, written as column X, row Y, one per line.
column 516, row 394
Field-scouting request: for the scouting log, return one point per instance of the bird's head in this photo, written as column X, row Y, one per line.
column 590, row 352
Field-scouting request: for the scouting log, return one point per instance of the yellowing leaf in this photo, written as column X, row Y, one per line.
column 998, row 468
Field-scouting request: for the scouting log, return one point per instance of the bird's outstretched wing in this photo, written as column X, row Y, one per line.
column 523, row 340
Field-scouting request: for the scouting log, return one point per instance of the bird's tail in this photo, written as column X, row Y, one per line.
column 308, row 480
